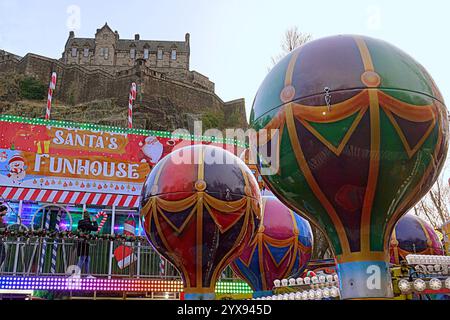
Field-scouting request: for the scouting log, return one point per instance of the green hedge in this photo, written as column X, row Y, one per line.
column 32, row 89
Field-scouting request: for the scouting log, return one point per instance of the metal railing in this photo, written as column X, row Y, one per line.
column 39, row 256
column 47, row 256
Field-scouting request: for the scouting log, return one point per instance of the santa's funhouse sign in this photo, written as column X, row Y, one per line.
column 79, row 159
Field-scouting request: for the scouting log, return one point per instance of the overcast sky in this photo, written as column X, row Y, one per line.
column 232, row 41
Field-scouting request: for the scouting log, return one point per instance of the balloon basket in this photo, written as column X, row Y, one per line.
column 364, row 280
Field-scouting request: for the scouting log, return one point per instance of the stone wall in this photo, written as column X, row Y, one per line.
column 94, row 95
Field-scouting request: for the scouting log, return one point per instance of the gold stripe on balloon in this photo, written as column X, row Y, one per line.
column 199, row 220
column 295, row 143
column 337, row 151
column 365, row 54
column 374, row 149
column 339, row 111
column 373, row 171
column 227, row 258
column 290, row 69
column 406, row 202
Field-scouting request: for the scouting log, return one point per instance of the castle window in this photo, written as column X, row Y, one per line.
column 132, row 53
column 146, row 54
column 160, row 54
column 74, row 52
column 173, row 54
column 86, row 52
column 104, row 53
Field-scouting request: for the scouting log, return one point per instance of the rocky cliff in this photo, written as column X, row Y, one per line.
column 89, row 95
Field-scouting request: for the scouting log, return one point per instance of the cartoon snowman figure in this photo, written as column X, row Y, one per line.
column 17, row 169
column 3, row 156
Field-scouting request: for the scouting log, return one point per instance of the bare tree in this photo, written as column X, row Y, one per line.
column 292, row 39
column 321, row 248
column 434, row 207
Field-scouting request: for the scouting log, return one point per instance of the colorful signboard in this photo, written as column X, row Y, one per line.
column 77, row 164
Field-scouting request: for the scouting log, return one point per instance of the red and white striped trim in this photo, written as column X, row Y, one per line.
column 69, row 197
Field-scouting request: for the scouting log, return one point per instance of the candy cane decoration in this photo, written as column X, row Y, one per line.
column 131, row 98
column 51, row 87
column 129, row 227
column 55, row 244
column 105, row 217
column 124, row 254
column 162, row 266
column 44, row 243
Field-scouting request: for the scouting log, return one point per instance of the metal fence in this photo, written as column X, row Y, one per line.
column 41, row 256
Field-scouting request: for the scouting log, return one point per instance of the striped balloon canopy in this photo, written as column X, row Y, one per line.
column 281, row 248
column 357, row 133
column 413, row 235
column 200, row 207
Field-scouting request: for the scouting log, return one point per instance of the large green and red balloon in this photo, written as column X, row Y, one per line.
column 200, row 208
column 362, row 136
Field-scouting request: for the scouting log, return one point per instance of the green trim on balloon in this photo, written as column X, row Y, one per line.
column 303, row 197
column 394, row 169
column 265, row 119
column 334, row 132
column 269, row 91
column 399, row 71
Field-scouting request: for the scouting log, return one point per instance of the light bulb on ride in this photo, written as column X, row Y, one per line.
column 318, row 294
column 435, row 284
column 404, row 285
column 334, row 292
column 447, row 283
column 326, row 293
column 322, row 279
column 419, row 285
